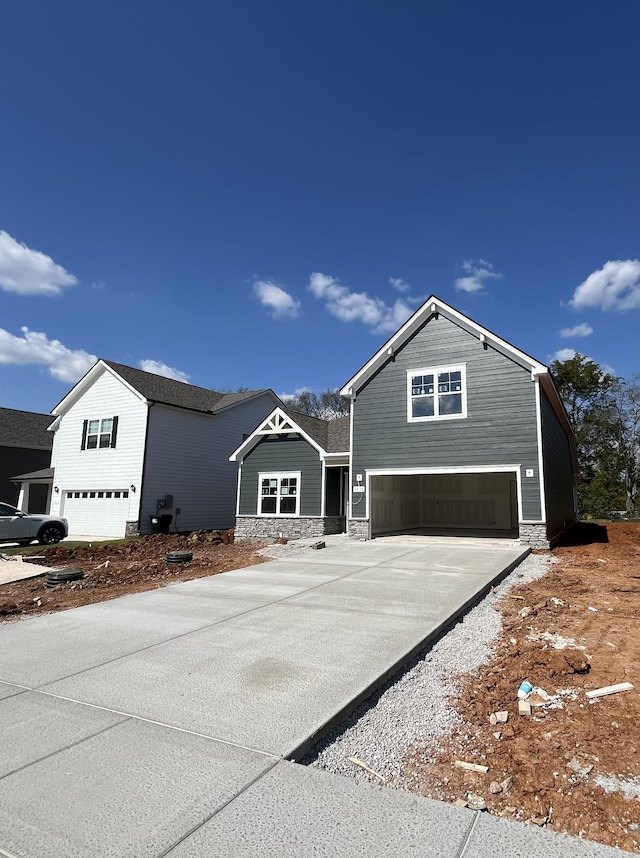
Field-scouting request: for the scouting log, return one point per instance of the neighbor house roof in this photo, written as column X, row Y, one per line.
column 327, row 436
column 157, row 388
column 25, row 429
column 44, row 475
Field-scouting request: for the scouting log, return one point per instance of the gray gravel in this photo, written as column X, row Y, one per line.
column 413, row 709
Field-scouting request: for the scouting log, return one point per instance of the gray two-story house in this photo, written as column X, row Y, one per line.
column 453, row 431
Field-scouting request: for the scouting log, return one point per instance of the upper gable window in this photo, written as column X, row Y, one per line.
column 99, row 433
column 436, row 393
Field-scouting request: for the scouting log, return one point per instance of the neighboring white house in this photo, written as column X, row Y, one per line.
column 130, row 445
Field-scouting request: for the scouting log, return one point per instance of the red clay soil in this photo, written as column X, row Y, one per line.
column 115, row 569
column 555, row 757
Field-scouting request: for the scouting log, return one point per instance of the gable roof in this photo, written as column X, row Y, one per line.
column 422, row 315
column 166, row 391
column 430, row 307
column 327, row 436
column 25, row 429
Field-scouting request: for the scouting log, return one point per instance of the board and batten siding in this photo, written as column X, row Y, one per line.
column 110, row 468
column 559, row 478
column 278, row 454
column 500, row 427
column 188, row 457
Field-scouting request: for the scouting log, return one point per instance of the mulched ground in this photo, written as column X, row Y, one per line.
column 113, row 570
column 575, row 629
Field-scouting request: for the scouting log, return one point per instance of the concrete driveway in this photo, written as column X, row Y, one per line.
column 156, row 724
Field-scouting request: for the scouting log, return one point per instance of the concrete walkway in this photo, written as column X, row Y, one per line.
column 156, row 724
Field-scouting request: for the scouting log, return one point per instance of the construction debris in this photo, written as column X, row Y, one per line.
column 364, row 766
column 471, row 767
column 609, row 689
column 524, row 707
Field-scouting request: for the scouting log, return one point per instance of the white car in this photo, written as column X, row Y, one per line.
column 23, row 528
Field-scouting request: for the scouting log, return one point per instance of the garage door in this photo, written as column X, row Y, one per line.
column 461, row 502
column 96, row 513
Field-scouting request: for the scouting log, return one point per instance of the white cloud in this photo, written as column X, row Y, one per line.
column 615, row 286
column 582, row 330
column 276, row 299
column 159, row 368
column 34, row 348
column 399, row 284
column 476, row 271
column 298, row 391
column 30, row 272
column 562, row 355
column 358, row 306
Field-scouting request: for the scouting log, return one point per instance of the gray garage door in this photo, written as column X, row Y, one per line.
column 444, row 502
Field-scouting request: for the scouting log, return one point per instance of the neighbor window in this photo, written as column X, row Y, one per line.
column 279, row 494
column 436, row 393
column 99, row 433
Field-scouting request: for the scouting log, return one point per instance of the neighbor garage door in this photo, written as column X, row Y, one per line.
column 96, row 513
column 406, row 503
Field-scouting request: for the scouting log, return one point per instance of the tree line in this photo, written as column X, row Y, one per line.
column 604, row 412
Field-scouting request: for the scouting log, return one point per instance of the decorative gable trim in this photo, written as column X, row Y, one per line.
column 277, row 423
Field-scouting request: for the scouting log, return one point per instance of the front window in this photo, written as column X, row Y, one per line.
column 436, row 393
column 99, row 433
column 279, row 494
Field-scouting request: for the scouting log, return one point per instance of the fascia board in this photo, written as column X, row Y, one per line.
column 96, row 371
column 430, row 306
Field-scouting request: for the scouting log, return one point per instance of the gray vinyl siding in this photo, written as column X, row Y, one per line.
column 500, row 427
column 558, row 470
column 188, row 457
column 277, row 454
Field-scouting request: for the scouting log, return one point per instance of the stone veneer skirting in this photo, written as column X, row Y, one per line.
column 132, row 528
column 263, row 526
column 534, row 535
column 359, row 528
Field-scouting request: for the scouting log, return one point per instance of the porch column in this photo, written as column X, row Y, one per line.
column 23, row 497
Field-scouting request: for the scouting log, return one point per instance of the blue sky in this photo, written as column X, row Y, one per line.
column 258, row 194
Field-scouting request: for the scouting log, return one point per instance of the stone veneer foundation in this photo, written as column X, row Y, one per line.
column 358, row 528
column 303, row 527
column 534, row 535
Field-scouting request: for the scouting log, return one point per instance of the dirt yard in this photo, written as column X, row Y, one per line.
column 573, row 765
column 113, row 570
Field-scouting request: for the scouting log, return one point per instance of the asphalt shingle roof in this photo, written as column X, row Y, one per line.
column 331, row 435
column 25, row 429
column 157, row 388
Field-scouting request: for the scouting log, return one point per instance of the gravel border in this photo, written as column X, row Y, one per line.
column 413, row 708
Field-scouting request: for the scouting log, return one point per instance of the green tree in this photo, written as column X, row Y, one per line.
column 626, row 398
column 591, row 397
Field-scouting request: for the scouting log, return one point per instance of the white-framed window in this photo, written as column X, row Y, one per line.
column 437, row 393
column 279, row 494
column 99, row 433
